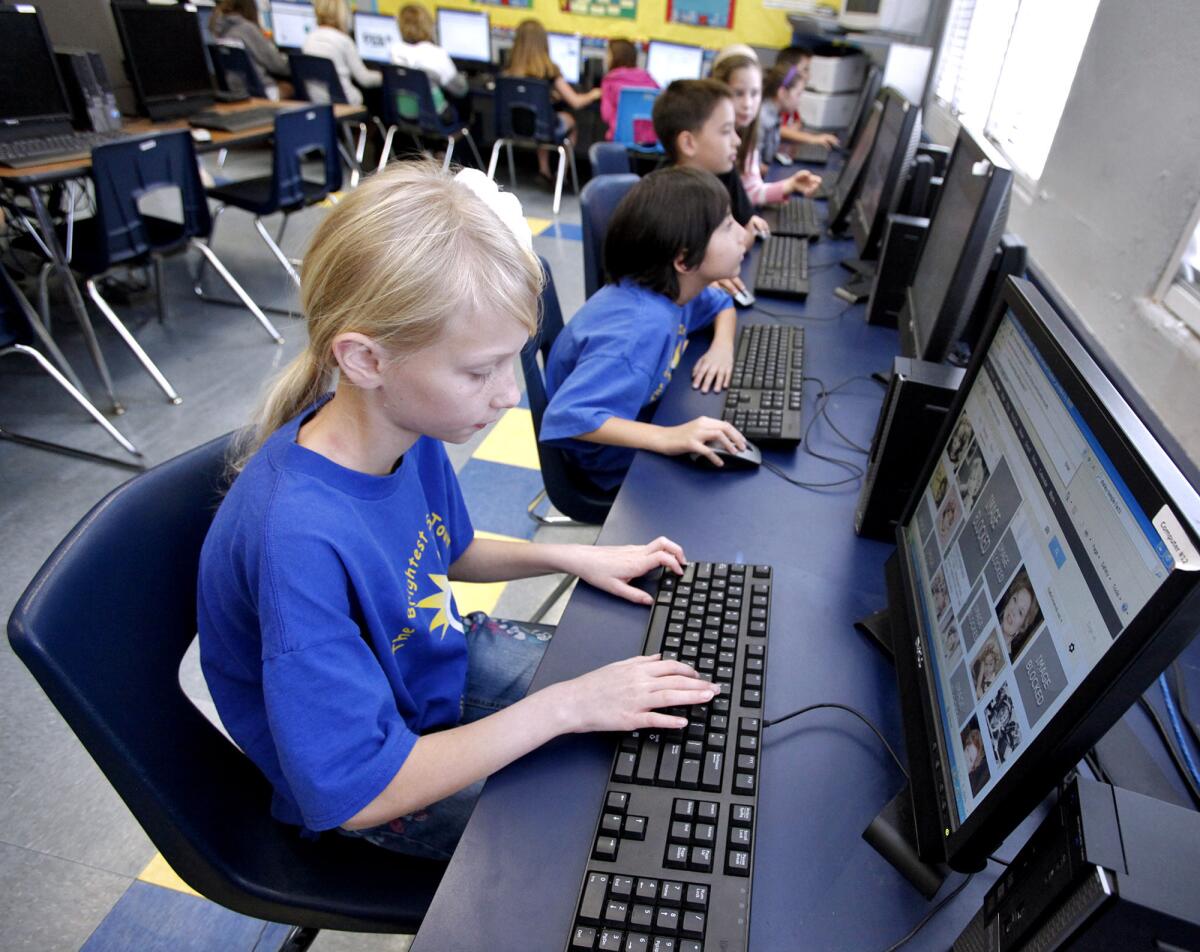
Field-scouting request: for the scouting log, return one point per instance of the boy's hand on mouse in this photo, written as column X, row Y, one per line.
column 827, row 139
column 692, row 437
column 626, row 695
column 804, row 182
column 730, row 286
column 714, row 368
column 610, row 567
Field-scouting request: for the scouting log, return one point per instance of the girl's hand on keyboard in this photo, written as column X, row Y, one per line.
column 610, row 567
column 714, row 368
column 693, row 437
column 804, row 182
column 625, row 695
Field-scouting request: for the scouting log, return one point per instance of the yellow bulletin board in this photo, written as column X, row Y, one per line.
column 755, row 24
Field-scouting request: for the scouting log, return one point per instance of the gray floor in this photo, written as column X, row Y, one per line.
column 68, row 846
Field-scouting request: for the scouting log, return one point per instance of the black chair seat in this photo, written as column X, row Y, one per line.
column 257, row 197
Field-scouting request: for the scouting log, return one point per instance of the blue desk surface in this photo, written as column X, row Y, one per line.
column 514, row 879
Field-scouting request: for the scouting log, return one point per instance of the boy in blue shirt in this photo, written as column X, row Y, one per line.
column 669, row 239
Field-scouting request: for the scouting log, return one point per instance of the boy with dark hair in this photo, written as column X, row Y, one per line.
column 668, row 240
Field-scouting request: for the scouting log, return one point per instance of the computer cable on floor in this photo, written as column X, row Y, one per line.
column 924, row 920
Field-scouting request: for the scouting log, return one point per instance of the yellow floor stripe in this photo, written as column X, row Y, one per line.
column 158, row 873
column 480, row 596
column 538, row 225
column 511, row 441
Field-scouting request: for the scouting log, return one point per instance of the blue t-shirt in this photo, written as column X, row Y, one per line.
column 328, row 633
column 615, row 359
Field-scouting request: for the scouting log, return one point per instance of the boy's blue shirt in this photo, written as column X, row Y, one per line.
column 328, row 634
column 614, row 359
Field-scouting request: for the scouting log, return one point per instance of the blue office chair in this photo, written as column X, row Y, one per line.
column 567, row 487
column 235, row 73
column 608, row 158
column 103, row 627
column 409, row 106
column 120, row 234
column 316, row 80
column 599, row 200
column 19, row 325
column 634, row 126
column 525, row 117
column 298, row 134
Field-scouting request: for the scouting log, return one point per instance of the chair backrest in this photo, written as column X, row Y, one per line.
column 408, row 100
column 124, row 172
column 103, row 627
column 571, row 493
column 299, row 133
column 597, row 202
column 609, row 158
column 316, row 79
column 523, row 110
column 635, row 125
column 235, row 72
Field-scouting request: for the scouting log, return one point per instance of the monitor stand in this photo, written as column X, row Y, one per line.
column 878, row 627
column 892, row 834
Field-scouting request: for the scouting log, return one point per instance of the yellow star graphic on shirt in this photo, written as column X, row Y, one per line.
column 443, row 601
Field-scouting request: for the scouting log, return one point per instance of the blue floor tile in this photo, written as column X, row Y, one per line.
column 564, row 229
column 497, row 495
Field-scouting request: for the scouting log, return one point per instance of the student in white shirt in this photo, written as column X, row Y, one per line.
column 417, row 50
column 331, row 39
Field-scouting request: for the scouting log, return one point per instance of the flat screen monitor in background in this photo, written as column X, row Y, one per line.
column 883, row 179
column 1046, row 573
column 667, row 62
column 205, row 12
column 374, row 34
column 31, row 90
column 566, row 52
column 465, row 35
column 291, row 23
column 962, row 240
column 165, row 58
column 862, row 106
column 845, row 189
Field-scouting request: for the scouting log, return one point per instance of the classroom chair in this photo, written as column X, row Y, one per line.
column 608, row 158
column 409, row 106
column 298, row 134
column 634, row 127
column 525, row 117
column 103, row 627
column 597, row 202
column 316, row 80
column 121, row 235
column 19, row 325
column 566, row 486
column 234, row 72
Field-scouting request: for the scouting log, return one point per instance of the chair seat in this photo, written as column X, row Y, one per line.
column 254, row 195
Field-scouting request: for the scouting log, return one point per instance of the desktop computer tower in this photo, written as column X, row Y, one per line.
column 1108, row 869
column 898, row 260
column 917, row 399
column 93, row 102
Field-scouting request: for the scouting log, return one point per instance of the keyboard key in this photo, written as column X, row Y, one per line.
column 696, row 896
column 683, row 809
column 744, row 784
column 637, row 942
column 708, row 811
column 606, row 848
column 666, row 920
column 663, row 944
column 741, row 814
column 641, row 916
column 671, row 893
column 584, row 937
column 681, row 832
column 647, row 889
column 625, row 766
column 595, row 886
column 739, row 836
column 617, row 801
column 692, row 924
column 611, row 940
column 677, row 856
column 704, row 833
column 690, row 945
column 711, row 778
column 635, row 827
column 737, row 863
column 611, row 824
column 701, row 859
column 621, row 887
column 615, row 913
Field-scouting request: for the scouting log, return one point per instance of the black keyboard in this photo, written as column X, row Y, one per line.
column 799, row 219
column 765, row 391
column 234, row 120
column 811, row 152
column 783, row 267
column 673, row 850
column 60, row 147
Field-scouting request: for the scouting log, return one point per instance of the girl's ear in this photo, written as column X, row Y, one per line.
column 360, row 359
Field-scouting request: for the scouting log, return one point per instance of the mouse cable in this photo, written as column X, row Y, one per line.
column 781, row 315
column 832, row 705
column 828, row 419
column 823, row 402
column 924, row 920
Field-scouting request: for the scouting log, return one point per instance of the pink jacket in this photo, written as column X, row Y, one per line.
column 758, row 191
column 614, row 81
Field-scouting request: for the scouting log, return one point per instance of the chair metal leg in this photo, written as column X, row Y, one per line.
column 131, row 343
column 560, row 520
column 160, row 296
column 512, row 168
column 386, row 152
column 449, row 152
column 41, row 330
column 491, row 169
column 222, row 155
column 474, row 150
column 276, row 251
column 78, row 398
column 558, row 178
column 571, row 162
column 237, row 289
column 216, row 215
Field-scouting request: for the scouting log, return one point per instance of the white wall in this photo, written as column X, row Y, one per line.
column 1119, row 192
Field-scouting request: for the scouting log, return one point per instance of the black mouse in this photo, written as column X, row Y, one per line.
column 750, row 457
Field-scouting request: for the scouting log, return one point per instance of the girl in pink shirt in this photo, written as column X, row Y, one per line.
column 623, row 71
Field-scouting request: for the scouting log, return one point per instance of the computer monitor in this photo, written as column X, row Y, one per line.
column 862, row 106
column 164, row 57
column 958, row 251
column 883, row 179
column 204, row 11
column 32, row 97
column 374, row 34
column 1046, row 573
column 465, row 35
column 845, row 189
column 667, row 62
column 566, row 52
column 291, row 23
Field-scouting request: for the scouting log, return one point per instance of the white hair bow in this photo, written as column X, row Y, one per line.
column 505, row 204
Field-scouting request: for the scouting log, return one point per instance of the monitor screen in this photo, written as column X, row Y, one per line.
column 374, row 34
column 30, row 88
column 465, row 35
column 667, row 62
column 566, row 52
column 883, row 178
column 866, row 95
column 291, row 23
column 844, row 190
column 166, row 57
column 1047, row 548
column 961, row 242
column 205, row 13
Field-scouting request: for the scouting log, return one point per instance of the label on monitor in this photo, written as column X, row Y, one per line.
column 1176, row 540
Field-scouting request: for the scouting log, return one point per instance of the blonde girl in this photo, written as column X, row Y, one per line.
column 331, row 40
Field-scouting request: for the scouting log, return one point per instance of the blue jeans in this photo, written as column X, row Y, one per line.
column 501, row 659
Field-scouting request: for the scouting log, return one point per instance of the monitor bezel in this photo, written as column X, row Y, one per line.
column 274, row 30
column 683, row 46
column 872, row 82
column 845, row 190
column 578, row 38
column 371, row 15
column 477, row 13
column 868, row 235
column 934, row 338
column 16, row 127
column 172, row 105
column 1149, row 643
